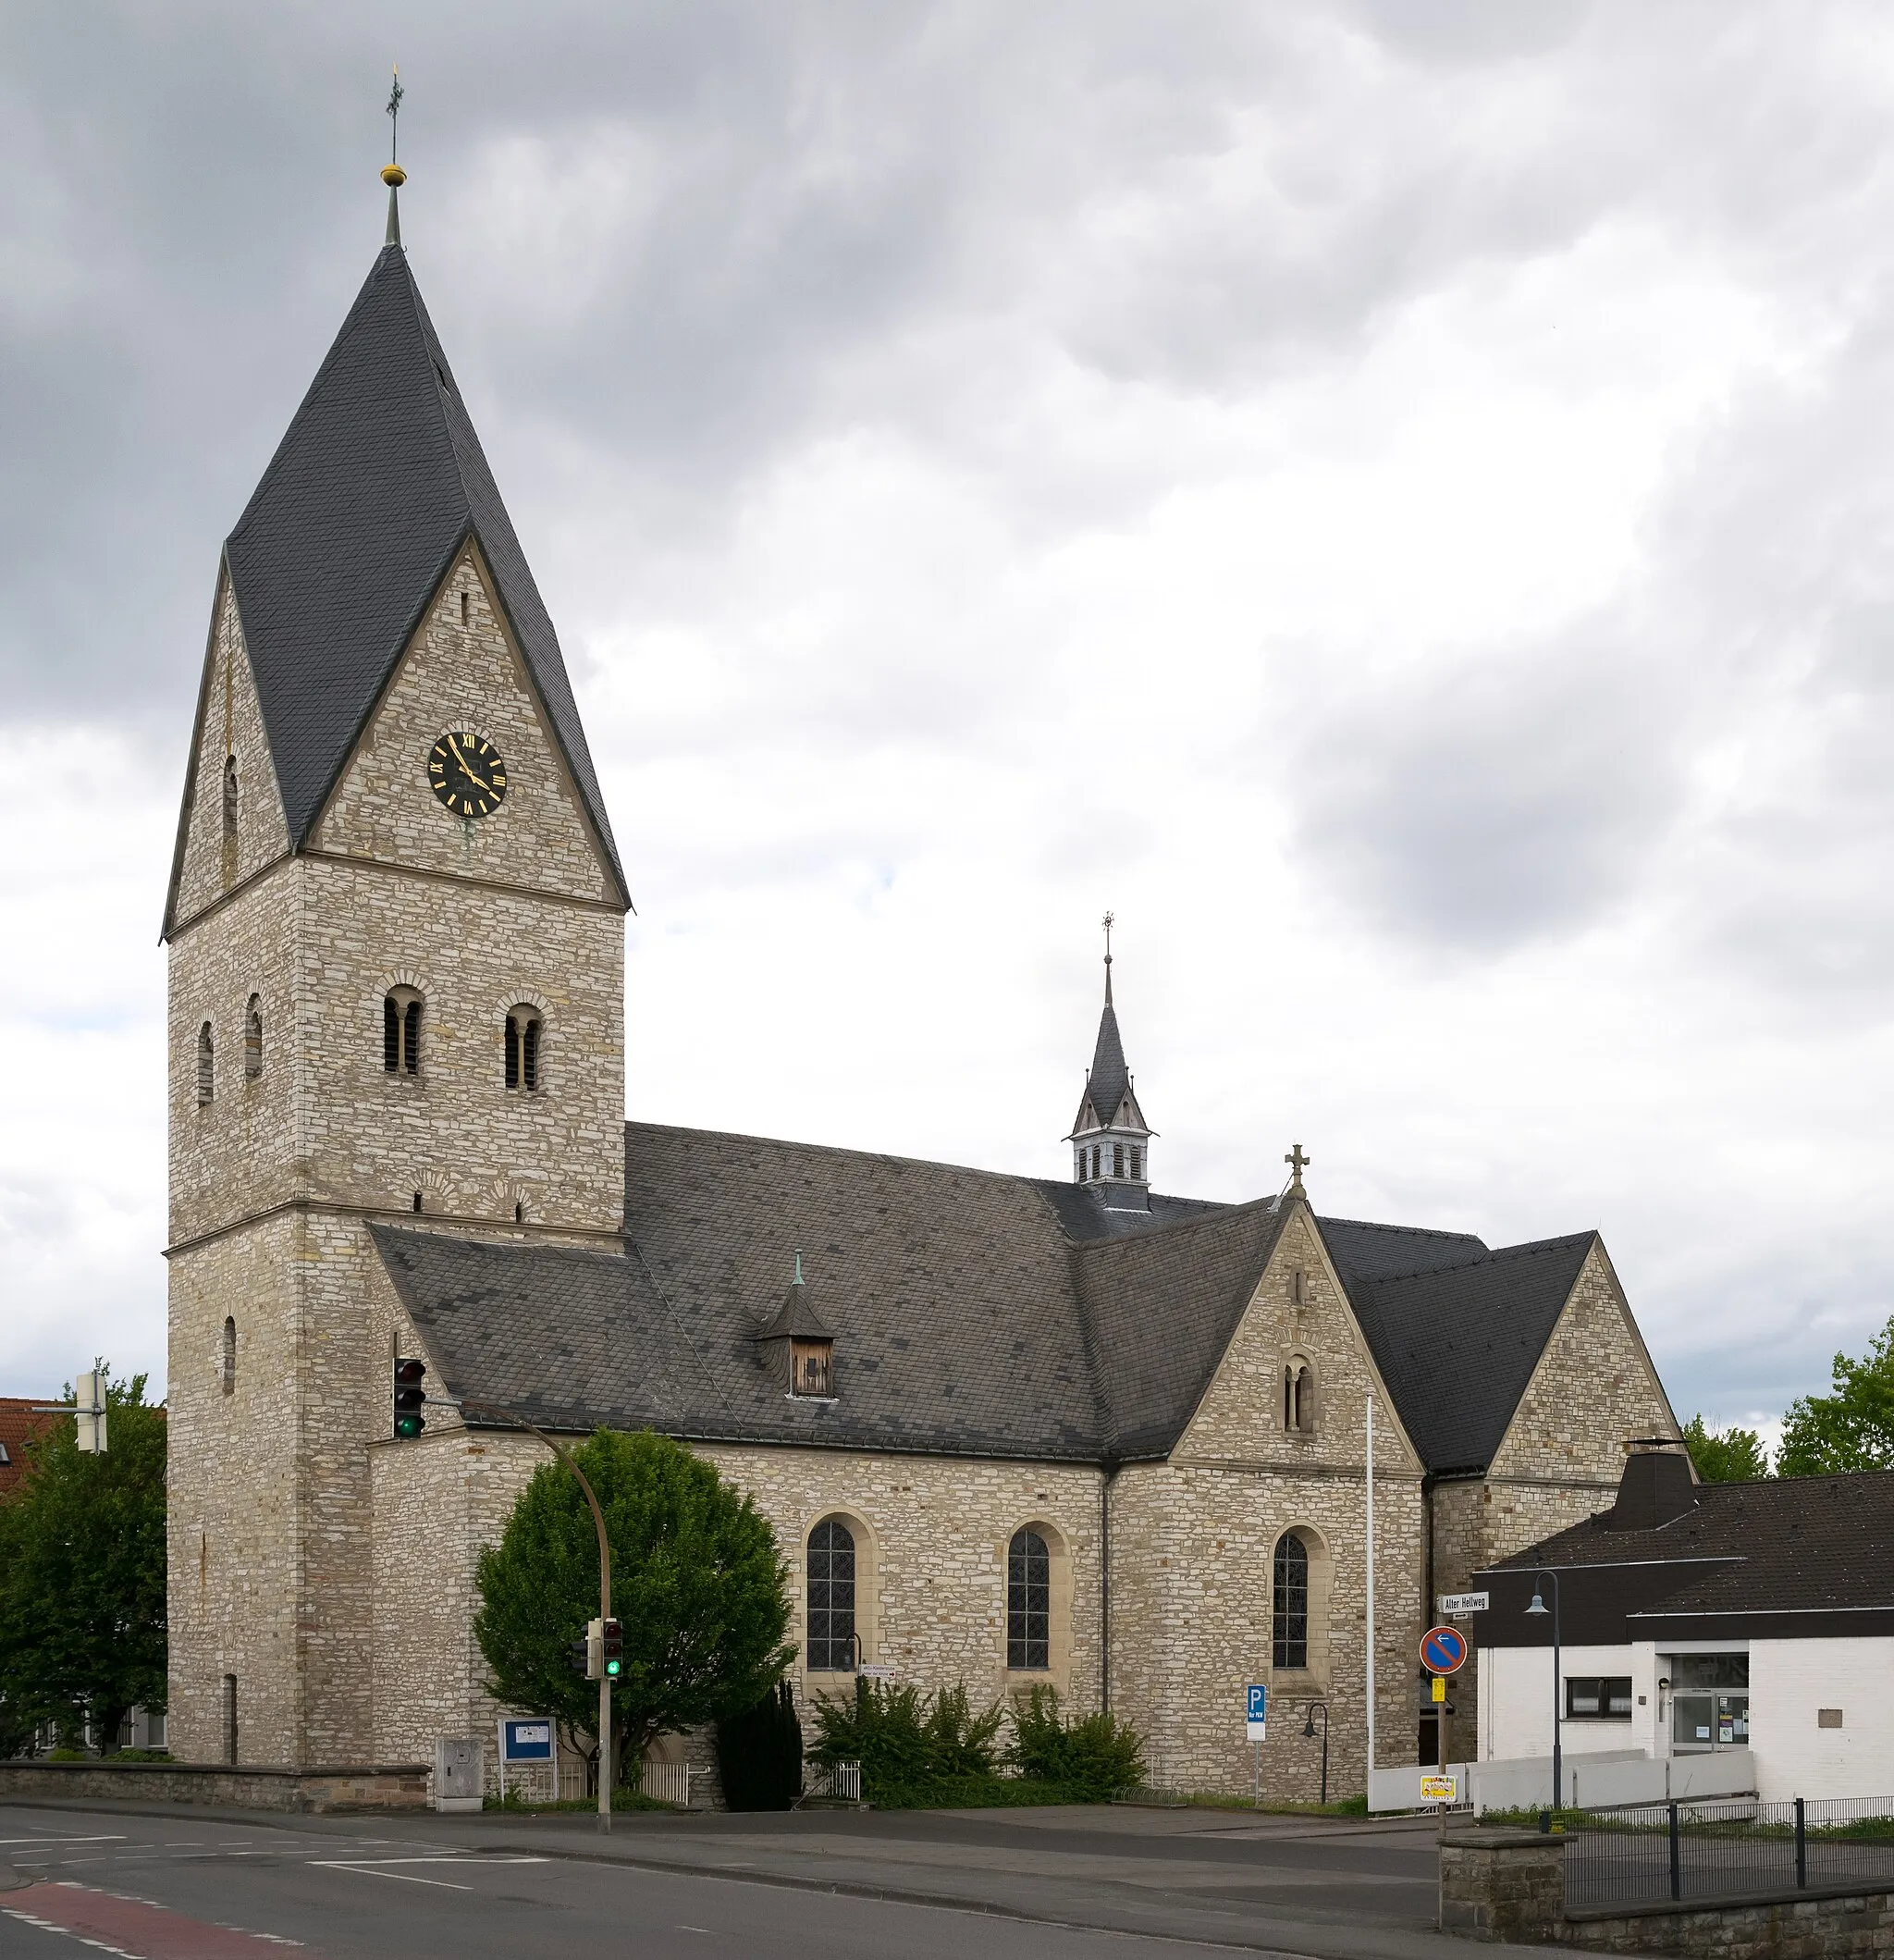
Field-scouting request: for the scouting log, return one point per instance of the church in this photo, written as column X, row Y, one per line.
column 1008, row 1430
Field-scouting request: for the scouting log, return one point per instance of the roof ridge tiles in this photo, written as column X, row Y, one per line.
column 1494, row 1255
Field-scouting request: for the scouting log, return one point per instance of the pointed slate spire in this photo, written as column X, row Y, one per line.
column 372, row 492
column 1110, row 1124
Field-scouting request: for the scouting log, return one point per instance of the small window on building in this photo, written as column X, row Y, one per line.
column 1094, row 1160
column 1117, row 1160
column 831, row 1647
column 400, row 1032
column 812, row 1369
column 253, row 1039
column 6, row 1458
column 417, row 1200
column 1028, row 1601
column 228, row 1372
column 229, row 799
column 1598, row 1698
column 522, row 1048
column 518, row 1212
column 1299, row 1397
column 466, row 606
column 1290, row 1603
column 206, row 1064
column 1078, row 1168
column 1136, row 1162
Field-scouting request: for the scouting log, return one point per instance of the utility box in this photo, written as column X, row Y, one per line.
column 458, row 1773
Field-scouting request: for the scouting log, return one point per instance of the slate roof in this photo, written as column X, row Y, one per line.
column 1458, row 1343
column 1108, row 1086
column 1785, row 1554
column 372, row 492
column 973, row 1313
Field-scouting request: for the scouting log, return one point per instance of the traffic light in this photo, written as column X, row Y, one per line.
column 588, row 1655
column 409, row 1397
column 612, row 1650
column 577, row 1652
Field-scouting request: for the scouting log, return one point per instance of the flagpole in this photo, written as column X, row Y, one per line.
column 1370, row 1593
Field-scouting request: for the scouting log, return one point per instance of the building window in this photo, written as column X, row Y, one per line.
column 1117, row 1160
column 1094, row 1160
column 253, row 1039
column 227, row 1373
column 1028, row 1601
column 522, row 1048
column 1299, row 1397
column 1291, row 1603
column 811, row 1369
column 230, row 1719
column 831, row 1597
column 400, row 1032
column 417, row 1200
column 229, row 799
column 206, row 1064
column 1078, row 1168
column 466, row 606
column 1136, row 1164
column 1598, row 1698
column 519, row 1211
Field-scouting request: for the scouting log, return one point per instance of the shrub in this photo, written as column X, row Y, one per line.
column 1091, row 1758
column 760, row 1754
column 960, row 1743
column 912, row 1749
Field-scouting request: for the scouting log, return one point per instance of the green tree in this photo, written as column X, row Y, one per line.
column 1726, row 1456
column 696, row 1583
column 1851, row 1427
column 83, row 1573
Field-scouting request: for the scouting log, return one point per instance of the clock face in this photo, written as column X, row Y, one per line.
column 468, row 774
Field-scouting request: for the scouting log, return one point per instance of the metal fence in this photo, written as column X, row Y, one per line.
column 1637, row 1853
column 669, row 1782
column 833, row 1781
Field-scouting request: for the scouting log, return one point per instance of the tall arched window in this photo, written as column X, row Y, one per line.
column 1299, row 1397
column 1291, row 1642
column 227, row 1373
column 252, row 1038
column 1117, row 1160
column 523, row 1026
column 1028, row 1601
column 400, row 1032
column 206, row 1064
column 831, row 1646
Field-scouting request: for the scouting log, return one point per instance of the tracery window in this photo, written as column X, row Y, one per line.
column 1290, row 1645
column 831, row 1644
column 400, row 1032
column 1028, row 1600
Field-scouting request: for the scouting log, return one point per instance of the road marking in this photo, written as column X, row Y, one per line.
column 108, row 1837
column 407, row 1877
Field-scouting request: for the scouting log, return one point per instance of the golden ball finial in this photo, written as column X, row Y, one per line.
column 393, row 175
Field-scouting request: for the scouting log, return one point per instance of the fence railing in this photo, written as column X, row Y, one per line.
column 832, row 1780
column 669, row 1782
column 1637, row 1853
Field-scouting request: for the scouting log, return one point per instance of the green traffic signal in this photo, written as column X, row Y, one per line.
column 409, row 1396
column 613, row 1669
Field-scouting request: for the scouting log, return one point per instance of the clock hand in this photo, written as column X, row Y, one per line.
column 467, row 768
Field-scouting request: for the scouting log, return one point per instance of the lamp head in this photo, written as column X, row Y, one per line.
column 1538, row 1605
column 1309, row 1725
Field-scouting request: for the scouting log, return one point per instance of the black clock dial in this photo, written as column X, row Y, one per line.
column 468, row 774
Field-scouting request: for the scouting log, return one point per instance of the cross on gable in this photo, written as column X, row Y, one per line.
column 1297, row 1164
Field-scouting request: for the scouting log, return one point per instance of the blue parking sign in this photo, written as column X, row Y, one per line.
column 1256, row 1711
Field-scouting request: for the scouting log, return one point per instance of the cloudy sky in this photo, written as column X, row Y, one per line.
column 1396, row 500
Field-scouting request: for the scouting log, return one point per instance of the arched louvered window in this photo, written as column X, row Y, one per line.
column 1028, row 1601
column 1290, row 1645
column 522, row 1048
column 1117, row 1160
column 206, row 1064
column 252, row 1038
column 400, row 1032
column 227, row 1373
column 831, row 1646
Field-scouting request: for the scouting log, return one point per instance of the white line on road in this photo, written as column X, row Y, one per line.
column 407, row 1877
column 108, row 1837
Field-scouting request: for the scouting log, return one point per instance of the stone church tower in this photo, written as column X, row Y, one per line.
column 1110, row 1139
column 396, row 992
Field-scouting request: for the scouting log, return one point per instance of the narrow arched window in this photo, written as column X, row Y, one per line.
column 229, row 799
column 1136, row 1162
column 206, row 1064
column 523, row 1041
column 400, row 1032
column 1028, row 1601
column 1117, row 1160
column 1094, row 1160
column 252, row 1038
column 1291, row 1603
column 831, row 1597
column 227, row 1373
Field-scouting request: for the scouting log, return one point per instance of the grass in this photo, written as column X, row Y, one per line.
column 1222, row 1800
column 622, row 1800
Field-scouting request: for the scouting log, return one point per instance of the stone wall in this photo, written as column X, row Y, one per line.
column 1839, row 1927
column 402, row 1786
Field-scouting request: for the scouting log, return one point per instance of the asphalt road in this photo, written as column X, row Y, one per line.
column 187, row 1884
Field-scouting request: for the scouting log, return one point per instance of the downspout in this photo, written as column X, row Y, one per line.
column 1105, row 1587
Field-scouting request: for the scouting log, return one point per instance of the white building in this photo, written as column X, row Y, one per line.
column 1716, row 1637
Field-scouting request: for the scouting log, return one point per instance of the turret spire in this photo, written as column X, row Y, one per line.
column 1110, row 1139
column 392, row 175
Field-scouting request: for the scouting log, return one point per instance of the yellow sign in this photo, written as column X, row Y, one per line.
column 1440, row 1687
column 1440, row 1789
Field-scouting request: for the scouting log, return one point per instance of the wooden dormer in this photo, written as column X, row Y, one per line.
column 796, row 1347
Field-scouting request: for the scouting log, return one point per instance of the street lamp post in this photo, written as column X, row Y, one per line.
column 1538, row 1605
column 1309, row 1728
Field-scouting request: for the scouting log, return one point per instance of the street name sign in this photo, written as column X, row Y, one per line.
column 1456, row 1606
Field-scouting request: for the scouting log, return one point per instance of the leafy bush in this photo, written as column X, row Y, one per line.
column 760, row 1754
column 884, row 1730
column 1090, row 1758
column 958, row 1741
